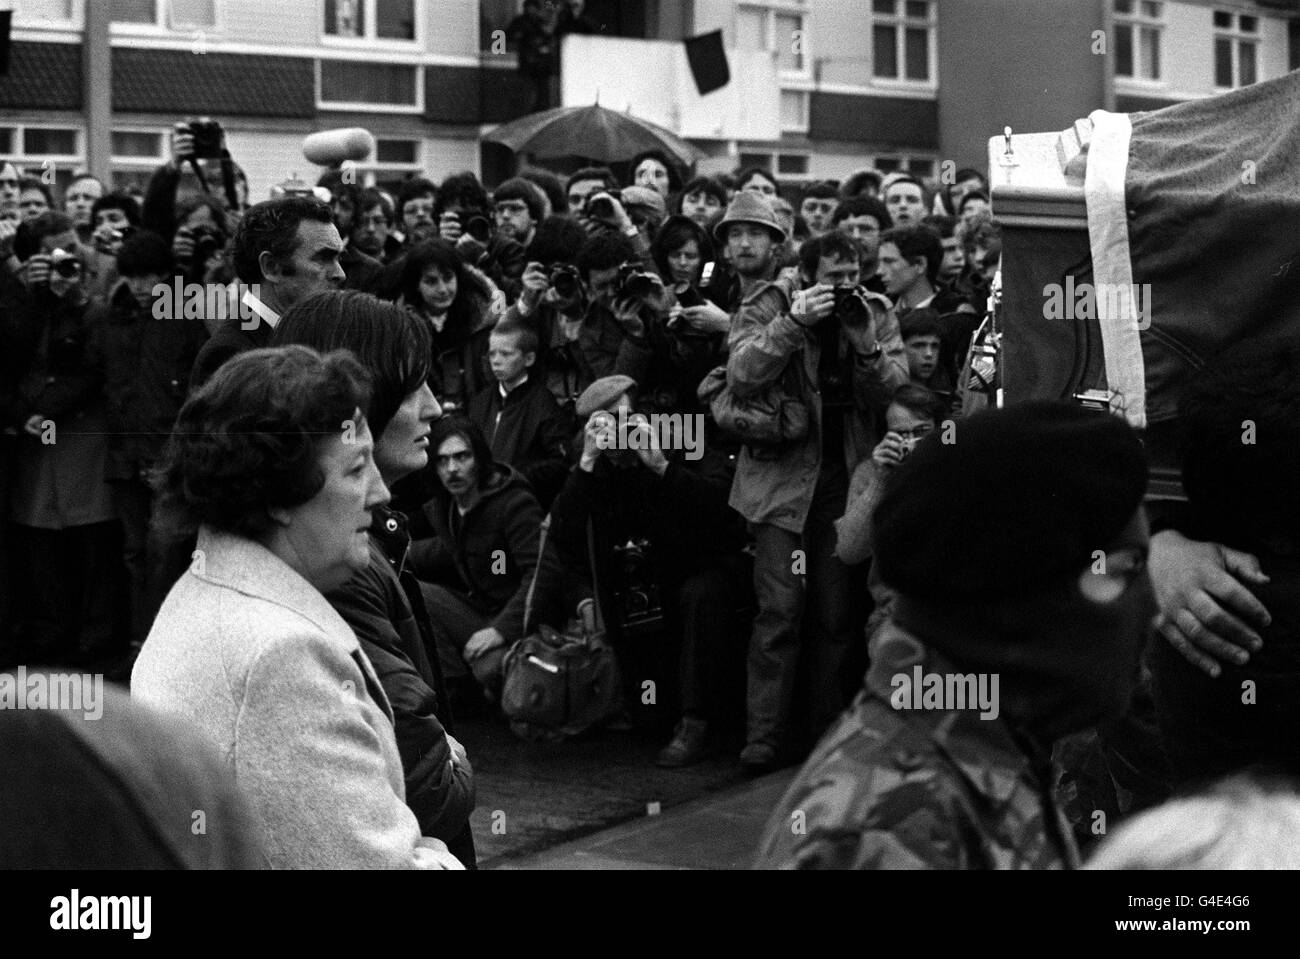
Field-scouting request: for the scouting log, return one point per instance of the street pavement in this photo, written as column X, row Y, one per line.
column 717, row 831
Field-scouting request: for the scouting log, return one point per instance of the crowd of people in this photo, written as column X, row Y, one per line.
column 407, row 428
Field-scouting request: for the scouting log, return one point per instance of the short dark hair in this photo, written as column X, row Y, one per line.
column 525, row 336
column 747, row 174
column 970, row 173
column 464, row 190
column 920, row 322
column 603, row 251
column 821, row 190
column 117, row 201
column 388, row 341
column 524, row 191
column 971, row 195
column 557, row 239
column 920, row 401
column 31, row 232
column 676, row 232
column 832, row 245
column 250, row 439
column 34, row 183
column 674, row 174
column 272, row 227
column 413, row 189
column 550, row 185
column 344, row 188
column 852, row 187
column 703, row 184
column 458, row 425
column 145, row 253
column 589, row 173
column 916, row 241
column 371, row 198
column 863, row 206
column 941, row 223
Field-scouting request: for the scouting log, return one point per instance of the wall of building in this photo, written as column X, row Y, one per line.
column 1027, row 64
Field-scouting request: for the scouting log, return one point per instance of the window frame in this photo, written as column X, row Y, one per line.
column 1135, row 22
column 164, row 23
column 361, row 106
column 1235, row 36
column 373, row 170
column 76, row 22
column 144, row 162
column 806, row 94
column 24, row 159
column 899, row 22
column 369, row 40
column 770, row 10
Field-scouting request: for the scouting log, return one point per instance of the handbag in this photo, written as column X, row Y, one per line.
column 559, row 684
column 773, row 416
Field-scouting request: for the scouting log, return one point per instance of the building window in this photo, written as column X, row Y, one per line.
column 1236, row 43
column 386, row 87
column 794, row 111
column 778, row 28
column 370, row 19
column 39, row 13
column 175, row 14
column 1139, row 25
column 902, row 40
column 135, row 156
column 792, row 165
column 37, row 149
column 394, row 161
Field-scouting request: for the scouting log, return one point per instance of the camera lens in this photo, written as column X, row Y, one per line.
column 478, row 228
column 565, row 283
column 67, row 268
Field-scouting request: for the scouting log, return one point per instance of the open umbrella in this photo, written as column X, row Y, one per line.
column 593, row 132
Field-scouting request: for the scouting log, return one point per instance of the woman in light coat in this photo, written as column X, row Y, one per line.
column 272, row 460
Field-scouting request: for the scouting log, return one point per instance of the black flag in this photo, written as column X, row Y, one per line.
column 6, row 16
column 708, row 61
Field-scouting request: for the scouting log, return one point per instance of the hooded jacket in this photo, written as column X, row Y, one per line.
column 488, row 554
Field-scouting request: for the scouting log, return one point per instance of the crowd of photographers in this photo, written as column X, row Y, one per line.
column 563, row 318
column 253, row 453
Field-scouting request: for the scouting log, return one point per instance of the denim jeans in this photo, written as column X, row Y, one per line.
column 805, row 612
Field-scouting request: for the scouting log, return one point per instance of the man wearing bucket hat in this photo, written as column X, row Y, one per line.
column 841, row 367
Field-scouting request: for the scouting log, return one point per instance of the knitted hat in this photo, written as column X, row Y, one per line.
column 749, row 207
column 1017, row 499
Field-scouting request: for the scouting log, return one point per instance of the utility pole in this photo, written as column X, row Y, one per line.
column 97, row 92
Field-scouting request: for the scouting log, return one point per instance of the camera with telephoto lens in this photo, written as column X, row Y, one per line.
column 208, row 138
column 565, row 281
column 66, row 264
column 633, row 283
column 479, row 228
column 599, row 206
column 851, row 305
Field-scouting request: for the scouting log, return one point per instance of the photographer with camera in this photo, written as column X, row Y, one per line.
column 626, row 488
column 913, row 412
column 67, row 557
column 840, row 345
column 464, row 217
column 199, row 156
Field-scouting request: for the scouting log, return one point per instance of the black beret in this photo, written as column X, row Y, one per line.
column 1017, row 498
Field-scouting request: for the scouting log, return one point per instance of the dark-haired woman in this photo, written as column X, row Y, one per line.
column 383, row 603
column 272, row 461
column 460, row 305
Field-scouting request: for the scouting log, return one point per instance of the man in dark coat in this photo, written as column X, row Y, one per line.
column 486, row 526
column 284, row 250
column 146, row 353
column 627, row 489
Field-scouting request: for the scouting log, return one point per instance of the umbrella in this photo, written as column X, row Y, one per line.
column 593, row 132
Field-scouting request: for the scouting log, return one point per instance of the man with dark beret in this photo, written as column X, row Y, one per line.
column 1017, row 546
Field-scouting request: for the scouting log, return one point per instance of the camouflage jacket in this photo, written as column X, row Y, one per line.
column 891, row 788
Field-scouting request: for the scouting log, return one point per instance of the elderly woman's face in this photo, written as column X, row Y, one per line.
column 329, row 534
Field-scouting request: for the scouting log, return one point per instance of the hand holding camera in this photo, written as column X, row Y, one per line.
column 893, row 449
column 707, row 318
column 597, row 437
column 606, row 207
column 813, row 305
